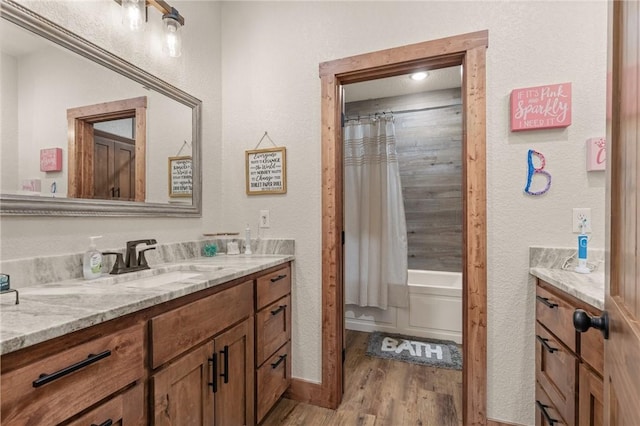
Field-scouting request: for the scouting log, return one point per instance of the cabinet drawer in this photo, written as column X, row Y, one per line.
column 273, row 378
column 556, row 372
column 273, row 286
column 183, row 328
column 557, row 316
column 61, row 385
column 273, row 328
column 546, row 412
column 126, row 409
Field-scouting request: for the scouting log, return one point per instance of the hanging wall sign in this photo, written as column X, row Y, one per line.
column 266, row 171
column 596, row 154
column 180, row 183
column 541, row 107
column 51, row 160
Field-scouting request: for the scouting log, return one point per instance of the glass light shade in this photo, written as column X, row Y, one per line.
column 172, row 36
column 133, row 12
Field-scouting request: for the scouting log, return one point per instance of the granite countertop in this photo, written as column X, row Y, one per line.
column 55, row 309
column 554, row 265
column 586, row 287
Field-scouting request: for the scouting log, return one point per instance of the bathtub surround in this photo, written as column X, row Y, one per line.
column 434, row 310
column 41, row 270
column 429, row 147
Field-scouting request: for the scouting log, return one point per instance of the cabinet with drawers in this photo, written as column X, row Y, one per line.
column 273, row 338
column 56, row 387
column 221, row 356
column 569, row 365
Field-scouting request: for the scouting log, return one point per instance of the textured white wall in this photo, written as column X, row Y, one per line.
column 270, row 57
column 197, row 72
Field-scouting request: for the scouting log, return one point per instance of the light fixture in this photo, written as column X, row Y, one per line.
column 172, row 34
column 418, row 76
column 134, row 12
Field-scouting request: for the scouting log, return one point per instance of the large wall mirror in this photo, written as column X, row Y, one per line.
column 85, row 133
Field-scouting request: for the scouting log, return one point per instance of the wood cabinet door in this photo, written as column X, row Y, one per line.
column 234, row 401
column 590, row 403
column 182, row 392
column 622, row 278
column 113, row 167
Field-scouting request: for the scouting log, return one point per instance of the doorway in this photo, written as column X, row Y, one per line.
column 467, row 50
column 407, row 129
column 83, row 150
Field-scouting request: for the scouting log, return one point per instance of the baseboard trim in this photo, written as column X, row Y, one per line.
column 491, row 422
column 307, row 392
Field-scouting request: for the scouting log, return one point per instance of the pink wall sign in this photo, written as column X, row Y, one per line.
column 51, row 160
column 541, row 107
column 596, row 154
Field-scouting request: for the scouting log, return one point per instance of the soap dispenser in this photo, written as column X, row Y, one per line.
column 92, row 261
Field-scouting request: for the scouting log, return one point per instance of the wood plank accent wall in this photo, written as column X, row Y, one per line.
column 429, row 146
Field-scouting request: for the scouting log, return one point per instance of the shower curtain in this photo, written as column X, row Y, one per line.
column 375, row 270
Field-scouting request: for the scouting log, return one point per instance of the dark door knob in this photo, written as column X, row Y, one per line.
column 582, row 321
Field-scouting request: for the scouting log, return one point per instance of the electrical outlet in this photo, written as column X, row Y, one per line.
column 581, row 215
column 264, row 219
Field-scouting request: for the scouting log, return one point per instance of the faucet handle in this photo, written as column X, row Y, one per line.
column 118, row 266
column 142, row 260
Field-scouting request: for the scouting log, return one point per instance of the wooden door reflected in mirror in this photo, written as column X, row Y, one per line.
column 103, row 165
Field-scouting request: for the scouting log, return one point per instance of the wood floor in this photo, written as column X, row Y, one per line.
column 382, row 392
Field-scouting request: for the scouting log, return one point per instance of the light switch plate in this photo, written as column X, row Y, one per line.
column 264, row 219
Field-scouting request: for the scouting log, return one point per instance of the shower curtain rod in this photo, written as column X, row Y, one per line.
column 404, row 111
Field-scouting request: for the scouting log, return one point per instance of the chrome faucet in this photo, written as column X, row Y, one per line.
column 131, row 262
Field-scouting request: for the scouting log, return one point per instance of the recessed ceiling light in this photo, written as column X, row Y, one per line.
column 417, row 76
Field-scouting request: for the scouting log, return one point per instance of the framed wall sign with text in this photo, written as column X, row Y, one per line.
column 180, row 183
column 266, row 171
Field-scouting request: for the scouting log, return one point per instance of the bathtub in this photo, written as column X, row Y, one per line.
column 434, row 311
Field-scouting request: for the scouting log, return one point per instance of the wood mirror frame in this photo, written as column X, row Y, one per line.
column 25, row 205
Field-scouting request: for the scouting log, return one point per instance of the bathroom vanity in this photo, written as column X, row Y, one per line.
column 569, row 364
column 210, row 346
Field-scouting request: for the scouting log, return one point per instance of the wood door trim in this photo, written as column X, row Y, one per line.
column 80, row 122
column 468, row 50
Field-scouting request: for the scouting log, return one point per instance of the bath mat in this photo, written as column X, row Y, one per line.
column 418, row 350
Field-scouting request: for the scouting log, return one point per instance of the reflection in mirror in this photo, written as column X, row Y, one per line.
column 115, row 126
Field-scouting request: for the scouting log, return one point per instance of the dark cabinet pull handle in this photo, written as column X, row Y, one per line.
column 278, row 278
column 545, row 344
column 277, row 311
column 543, row 410
column 107, row 422
column 545, row 301
column 45, row 378
column 279, row 361
column 113, row 192
column 214, row 372
column 225, row 373
column 582, row 321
